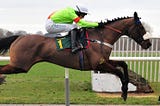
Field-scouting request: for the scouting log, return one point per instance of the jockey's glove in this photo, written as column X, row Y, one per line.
column 101, row 25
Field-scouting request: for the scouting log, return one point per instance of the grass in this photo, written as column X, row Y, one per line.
column 44, row 84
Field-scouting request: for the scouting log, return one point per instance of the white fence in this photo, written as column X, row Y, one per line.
column 2, row 58
column 143, row 62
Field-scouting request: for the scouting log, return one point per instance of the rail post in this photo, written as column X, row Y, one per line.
column 67, row 86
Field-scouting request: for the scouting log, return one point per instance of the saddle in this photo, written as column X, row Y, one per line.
column 63, row 40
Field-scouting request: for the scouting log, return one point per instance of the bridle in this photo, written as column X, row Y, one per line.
column 139, row 40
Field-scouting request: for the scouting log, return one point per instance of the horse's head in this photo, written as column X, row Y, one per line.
column 137, row 32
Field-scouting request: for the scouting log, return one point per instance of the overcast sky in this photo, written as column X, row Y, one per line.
column 30, row 15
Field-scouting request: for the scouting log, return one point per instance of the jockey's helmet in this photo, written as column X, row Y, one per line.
column 81, row 9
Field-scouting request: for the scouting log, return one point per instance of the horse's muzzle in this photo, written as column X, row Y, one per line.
column 146, row 44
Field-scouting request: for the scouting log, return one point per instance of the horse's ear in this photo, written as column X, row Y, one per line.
column 136, row 15
column 136, row 18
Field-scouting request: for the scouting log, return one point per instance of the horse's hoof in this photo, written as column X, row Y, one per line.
column 124, row 96
column 2, row 79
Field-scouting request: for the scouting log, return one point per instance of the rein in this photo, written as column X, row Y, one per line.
column 105, row 43
column 114, row 29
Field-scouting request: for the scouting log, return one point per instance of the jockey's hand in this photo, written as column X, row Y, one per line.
column 101, row 25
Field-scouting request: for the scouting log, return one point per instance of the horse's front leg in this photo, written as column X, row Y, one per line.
column 125, row 72
column 110, row 67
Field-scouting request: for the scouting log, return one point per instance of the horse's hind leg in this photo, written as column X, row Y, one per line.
column 8, row 69
column 110, row 67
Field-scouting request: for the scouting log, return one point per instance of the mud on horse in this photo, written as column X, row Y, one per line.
column 25, row 51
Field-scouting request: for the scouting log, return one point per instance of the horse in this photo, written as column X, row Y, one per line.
column 25, row 51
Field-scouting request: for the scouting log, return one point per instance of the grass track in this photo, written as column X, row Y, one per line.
column 44, row 84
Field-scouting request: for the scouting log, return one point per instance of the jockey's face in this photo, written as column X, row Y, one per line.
column 82, row 15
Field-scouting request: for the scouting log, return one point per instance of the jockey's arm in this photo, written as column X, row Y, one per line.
column 83, row 23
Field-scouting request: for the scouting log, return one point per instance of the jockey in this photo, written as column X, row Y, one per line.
column 68, row 19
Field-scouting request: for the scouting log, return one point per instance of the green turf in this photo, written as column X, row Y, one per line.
column 44, row 83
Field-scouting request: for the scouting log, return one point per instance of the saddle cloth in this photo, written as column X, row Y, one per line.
column 63, row 40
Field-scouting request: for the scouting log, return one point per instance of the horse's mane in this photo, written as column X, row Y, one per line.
column 145, row 25
column 116, row 19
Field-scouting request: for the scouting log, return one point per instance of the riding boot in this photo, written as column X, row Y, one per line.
column 73, row 41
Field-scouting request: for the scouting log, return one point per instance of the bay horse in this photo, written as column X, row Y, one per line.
column 25, row 51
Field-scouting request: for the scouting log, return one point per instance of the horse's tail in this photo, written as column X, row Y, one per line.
column 5, row 43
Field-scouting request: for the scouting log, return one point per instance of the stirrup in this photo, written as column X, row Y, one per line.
column 74, row 50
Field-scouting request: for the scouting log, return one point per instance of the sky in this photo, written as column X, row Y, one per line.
column 30, row 15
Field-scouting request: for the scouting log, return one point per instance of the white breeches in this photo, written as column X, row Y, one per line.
column 52, row 27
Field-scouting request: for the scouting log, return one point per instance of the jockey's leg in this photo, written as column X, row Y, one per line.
column 73, row 41
column 53, row 27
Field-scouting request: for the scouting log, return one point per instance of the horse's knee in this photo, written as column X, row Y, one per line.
column 123, row 64
column 125, row 68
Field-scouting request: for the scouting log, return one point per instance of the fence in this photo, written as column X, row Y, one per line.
column 143, row 62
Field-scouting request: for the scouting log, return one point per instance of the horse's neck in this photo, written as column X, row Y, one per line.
column 99, row 34
column 115, row 32
column 117, row 29
column 112, row 32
